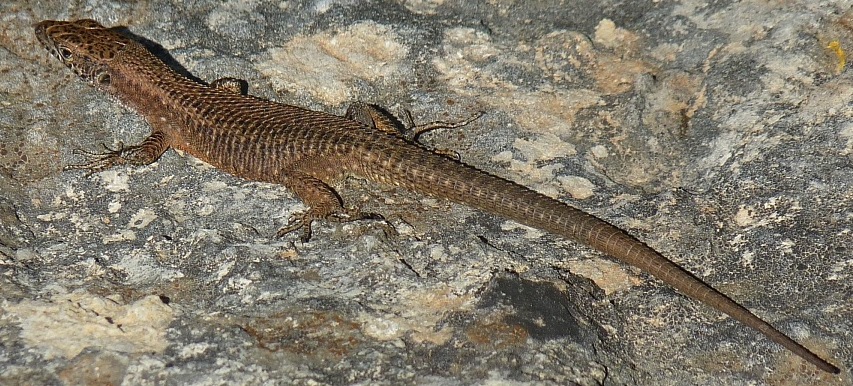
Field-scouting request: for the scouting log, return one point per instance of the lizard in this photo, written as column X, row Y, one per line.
column 308, row 151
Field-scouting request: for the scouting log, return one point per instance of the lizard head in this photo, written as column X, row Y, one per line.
column 84, row 46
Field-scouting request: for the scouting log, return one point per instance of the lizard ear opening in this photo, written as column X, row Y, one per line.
column 103, row 79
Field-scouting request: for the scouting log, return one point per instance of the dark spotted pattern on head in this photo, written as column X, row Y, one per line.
column 84, row 46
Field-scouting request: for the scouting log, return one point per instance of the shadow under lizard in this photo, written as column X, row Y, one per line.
column 307, row 151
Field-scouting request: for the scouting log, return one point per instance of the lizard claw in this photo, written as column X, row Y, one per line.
column 297, row 221
column 303, row 220
column 413, row 131
column 99, row 162
column 353, row 215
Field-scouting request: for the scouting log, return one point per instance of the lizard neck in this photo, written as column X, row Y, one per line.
column 147, row 85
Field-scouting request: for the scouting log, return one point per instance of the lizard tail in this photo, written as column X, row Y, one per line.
column 470, row 186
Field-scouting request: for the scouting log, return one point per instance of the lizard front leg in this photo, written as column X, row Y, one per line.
column 144, row 153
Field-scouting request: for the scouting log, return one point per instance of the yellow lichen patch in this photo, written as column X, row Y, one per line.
column 835, row 46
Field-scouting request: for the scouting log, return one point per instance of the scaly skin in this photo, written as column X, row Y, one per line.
column 307, row 151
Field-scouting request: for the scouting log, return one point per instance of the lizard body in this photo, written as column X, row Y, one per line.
column 307, row 151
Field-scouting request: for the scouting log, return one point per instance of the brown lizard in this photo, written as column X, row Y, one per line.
column 307, row 151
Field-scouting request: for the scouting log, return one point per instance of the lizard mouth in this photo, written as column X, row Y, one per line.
column 41, row 30
column 43, row 36
column 52, row 33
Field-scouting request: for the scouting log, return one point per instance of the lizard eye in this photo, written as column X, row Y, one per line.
column 64, row 53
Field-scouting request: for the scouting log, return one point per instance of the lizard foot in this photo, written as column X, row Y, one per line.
column 379, row 118
column 304, row 219
column 412, row 132
column 99, row 162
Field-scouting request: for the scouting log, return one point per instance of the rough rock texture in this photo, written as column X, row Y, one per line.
column 719, row 132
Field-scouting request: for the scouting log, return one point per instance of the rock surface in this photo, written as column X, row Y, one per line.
column 718, row 132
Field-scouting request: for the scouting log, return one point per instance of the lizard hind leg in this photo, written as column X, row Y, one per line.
column 380, row 119
column 377, row 118
column 324, row 204
column 232, row 85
